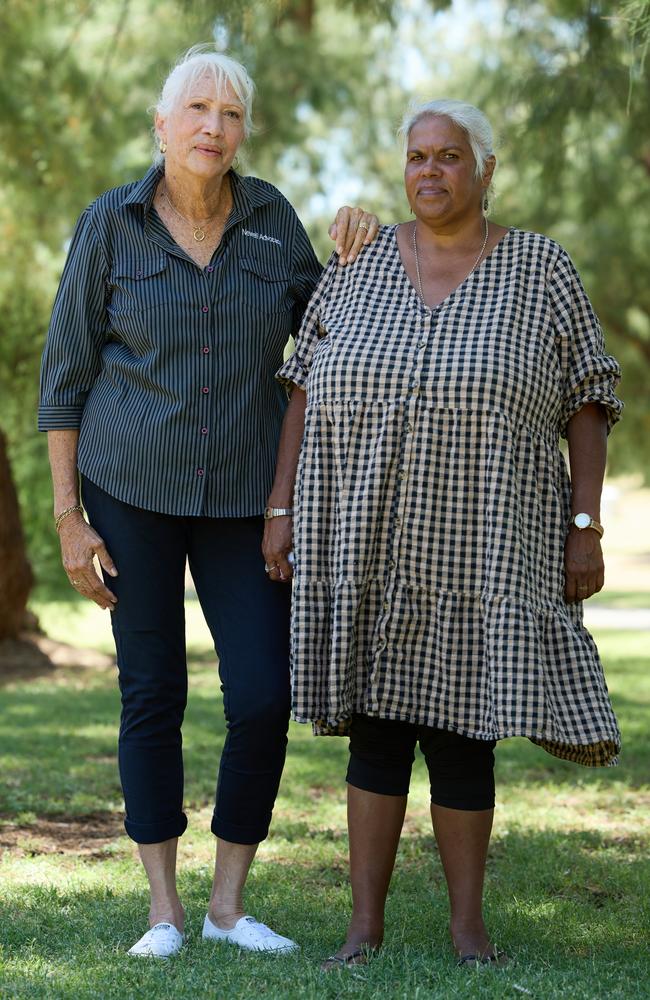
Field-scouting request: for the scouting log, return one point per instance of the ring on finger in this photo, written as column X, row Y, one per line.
column 75, row 583
column 363, row 225
column 268, row 569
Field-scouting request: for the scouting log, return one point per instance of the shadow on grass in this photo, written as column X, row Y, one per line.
column 22, row 660
column 58, row 744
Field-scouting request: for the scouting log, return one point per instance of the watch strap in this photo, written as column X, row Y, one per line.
column 270, row 512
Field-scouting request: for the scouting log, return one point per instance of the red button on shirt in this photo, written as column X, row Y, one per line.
column 204, row 430
column 205, row 389
column 206, row 350
column 199, row 472
column 205, row 309
column 210, row 269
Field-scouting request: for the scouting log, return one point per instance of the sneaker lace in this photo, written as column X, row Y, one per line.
column 262, row 928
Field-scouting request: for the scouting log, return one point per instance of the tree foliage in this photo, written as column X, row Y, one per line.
column 570, row 94
column 74, row 90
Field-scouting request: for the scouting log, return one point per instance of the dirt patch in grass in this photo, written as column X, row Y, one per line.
column 32, row 655
column 85, row 836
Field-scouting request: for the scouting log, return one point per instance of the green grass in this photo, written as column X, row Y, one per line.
column 624, row 599
column 568, row 873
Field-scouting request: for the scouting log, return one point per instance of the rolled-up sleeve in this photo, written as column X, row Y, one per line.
column 295, row 370
column 72, row 355
column 590, row 374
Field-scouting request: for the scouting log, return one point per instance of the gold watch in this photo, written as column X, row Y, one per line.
column 270, row 512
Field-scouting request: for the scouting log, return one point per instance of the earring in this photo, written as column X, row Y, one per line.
column 162, row 146
column 486, row 203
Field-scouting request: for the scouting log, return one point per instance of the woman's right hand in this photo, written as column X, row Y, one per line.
column 276, row 546
column 79, row 545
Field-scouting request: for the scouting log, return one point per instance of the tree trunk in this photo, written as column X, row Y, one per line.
column 15, row 572
column 302, row 13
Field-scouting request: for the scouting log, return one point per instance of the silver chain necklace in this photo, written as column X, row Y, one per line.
column 417, row 259
column 198, row 232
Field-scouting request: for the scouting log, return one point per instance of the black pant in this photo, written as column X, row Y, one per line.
column 461, row 770
column 248, row 616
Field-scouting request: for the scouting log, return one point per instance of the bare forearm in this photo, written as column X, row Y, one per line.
column 583, row 557
column 288, row 451
column 278, row 531
column 62, row 448
column 587, row 438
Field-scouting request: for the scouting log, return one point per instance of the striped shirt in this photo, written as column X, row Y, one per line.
column 167, row 368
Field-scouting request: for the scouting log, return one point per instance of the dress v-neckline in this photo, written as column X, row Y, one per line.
column 450, row 295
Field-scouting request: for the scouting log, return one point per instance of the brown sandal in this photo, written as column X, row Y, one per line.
column 347, row 961
column 496, row 958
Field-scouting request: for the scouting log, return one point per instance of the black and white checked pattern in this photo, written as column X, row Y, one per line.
column 433, row 500
column 168, row 368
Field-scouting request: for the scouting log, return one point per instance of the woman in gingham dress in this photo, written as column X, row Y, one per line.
column 442, row 554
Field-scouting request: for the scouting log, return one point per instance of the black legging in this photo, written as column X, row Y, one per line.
column 461, row 770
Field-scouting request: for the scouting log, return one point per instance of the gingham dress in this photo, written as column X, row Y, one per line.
column 433, row 500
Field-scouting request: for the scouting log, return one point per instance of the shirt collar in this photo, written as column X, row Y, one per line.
column 246, row 195
column 145, row 189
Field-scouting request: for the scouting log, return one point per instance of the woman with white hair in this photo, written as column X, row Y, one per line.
column 442, row 554
column 178, row 296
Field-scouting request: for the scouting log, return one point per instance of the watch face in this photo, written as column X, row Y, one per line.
column 582, row 520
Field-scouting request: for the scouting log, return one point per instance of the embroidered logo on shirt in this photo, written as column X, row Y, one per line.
column 262, row 236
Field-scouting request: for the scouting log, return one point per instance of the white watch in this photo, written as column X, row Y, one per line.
column 583, row 521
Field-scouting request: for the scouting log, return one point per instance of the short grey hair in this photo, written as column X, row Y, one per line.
column 473, row 122
column 199, row 61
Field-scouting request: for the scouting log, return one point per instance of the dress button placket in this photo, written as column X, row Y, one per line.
column 408, row 438
column 413, row 376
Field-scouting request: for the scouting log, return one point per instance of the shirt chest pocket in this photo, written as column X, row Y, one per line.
column 139, row 284
column 265, row 285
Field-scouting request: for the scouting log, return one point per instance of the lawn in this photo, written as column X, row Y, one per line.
column 568, row 874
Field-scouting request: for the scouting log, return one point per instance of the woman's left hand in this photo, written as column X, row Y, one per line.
column 584, row 567
column 352, row 229
column 276, row 546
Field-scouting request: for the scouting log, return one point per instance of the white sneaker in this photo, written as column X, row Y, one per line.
column 162, row 941
column 248, row 933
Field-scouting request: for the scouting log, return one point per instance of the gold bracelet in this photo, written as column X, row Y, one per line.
column 64, row 513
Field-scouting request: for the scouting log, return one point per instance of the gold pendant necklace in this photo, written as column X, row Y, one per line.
column 198, row 232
